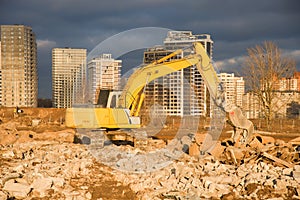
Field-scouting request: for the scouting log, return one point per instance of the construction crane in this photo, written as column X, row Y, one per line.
column 122, row 109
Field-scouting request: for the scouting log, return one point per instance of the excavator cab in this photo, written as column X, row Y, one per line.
column 108, row 98
column 103, row 115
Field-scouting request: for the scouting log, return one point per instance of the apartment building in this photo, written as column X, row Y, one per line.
column 289, row 84
column 281, row 104
column 234, row 88
column 286, row 92
column 104, row 73
column 183, row 92
column 68, row 76
column 18, row 69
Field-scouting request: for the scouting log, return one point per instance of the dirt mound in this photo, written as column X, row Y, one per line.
column 45, row 115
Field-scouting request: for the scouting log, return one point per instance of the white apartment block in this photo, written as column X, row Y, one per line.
column 251, row 106
column 180, row 93
column 18, row 67
column 234, row 88
column 104, row 73
column 68, row 76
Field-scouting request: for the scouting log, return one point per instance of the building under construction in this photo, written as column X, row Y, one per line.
column 68, row 76
column 180, row 93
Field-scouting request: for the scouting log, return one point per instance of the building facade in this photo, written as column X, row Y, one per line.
column 234, row 88
column 18, row 69
column 285, row 99
column 289, row 84
column 68, row 76
column 251, row 106
column 183, row 92
column 104, row 73
column 281, row 104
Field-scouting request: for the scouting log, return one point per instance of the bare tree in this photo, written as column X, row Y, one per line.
column 263, row 68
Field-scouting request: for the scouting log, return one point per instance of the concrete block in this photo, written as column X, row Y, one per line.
column 194, row 149
column 17, row 190
column 256, row 144
column 287, row 171
column 296, row 174
column 265, row 139
column 41, row 186
column 218, row 150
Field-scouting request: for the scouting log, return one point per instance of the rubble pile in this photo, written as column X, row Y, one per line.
column 49, row 169
column 38, row 169
column 49, row 165
column 190, row 178
column 265, row 168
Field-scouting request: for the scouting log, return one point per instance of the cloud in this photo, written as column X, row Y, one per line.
column 294, row 54
column 230, row 65
column 234, row 25
column 45, row 44
column 235, row 64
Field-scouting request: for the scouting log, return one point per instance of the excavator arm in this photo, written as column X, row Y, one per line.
column 130, row 101
column 240, row 123
column 132, row 95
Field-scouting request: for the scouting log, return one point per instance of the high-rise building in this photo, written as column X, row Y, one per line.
column 251, row 105
column 289, row 84
column 183, row 92
column 18, row 69
column 68, row 76
column 104, row 73
column 234, row 88
column 297, row 76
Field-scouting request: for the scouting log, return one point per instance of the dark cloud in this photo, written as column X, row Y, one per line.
column 234, row 25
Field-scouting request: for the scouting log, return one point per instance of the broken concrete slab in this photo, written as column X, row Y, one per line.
column 8, row 177
column 277, row 160
column 17, row 190
column 194, row 149
column 41, row 186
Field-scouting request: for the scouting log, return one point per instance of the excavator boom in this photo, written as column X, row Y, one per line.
column 130, row 101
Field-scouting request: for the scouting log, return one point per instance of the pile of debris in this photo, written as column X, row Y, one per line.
column 265, row 168
column 266, row 148
column 49, row 165
column 54, row 170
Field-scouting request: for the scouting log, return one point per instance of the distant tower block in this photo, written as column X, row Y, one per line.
column 18, row 69
column 68, row 76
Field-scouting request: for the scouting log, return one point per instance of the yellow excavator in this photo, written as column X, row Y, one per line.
column 122, row 108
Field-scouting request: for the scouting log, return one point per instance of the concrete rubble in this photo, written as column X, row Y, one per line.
column 49, row 165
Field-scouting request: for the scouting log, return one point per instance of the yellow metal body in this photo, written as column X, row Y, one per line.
column 109, row 118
